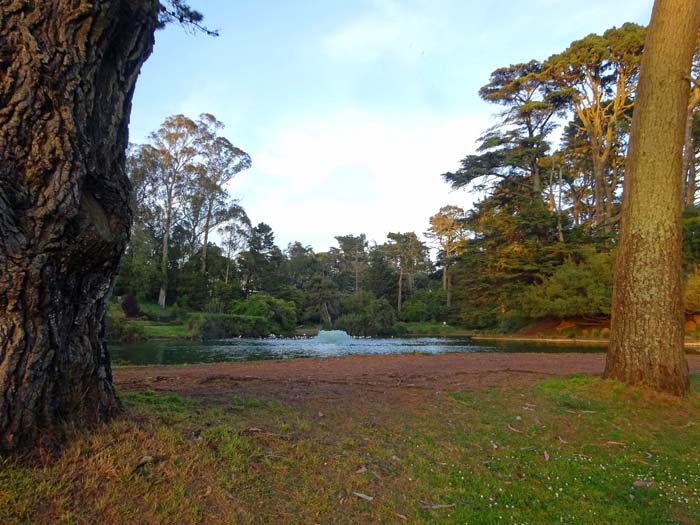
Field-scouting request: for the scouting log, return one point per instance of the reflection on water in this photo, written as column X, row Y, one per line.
column 181, row 352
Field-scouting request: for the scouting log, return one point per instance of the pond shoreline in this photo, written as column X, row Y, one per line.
column 558, row 340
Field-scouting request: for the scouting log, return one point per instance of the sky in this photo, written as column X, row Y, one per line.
column 351, row 110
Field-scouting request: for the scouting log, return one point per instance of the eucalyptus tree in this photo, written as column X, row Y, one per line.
column 409, row 255
column 234, row 234
column 646, row 340
column 220, row 162
column 353, row 257
column 68, row 73
column 172, row 157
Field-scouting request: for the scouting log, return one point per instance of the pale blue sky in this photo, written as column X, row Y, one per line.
column 352, row 109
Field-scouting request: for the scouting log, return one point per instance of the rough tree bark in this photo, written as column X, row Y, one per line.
column 67, row 74
column 646, row 343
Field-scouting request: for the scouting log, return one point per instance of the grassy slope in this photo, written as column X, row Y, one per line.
column 563, row 450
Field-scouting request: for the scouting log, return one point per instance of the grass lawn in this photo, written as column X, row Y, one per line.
column 573, row 450
column 437, row 329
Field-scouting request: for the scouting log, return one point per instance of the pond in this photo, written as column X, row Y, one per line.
column 181, row 352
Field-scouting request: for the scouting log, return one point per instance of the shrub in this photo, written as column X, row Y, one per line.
column 121, row 331
column 364, row 315
column 691, row 294
column 130, row 305
column 222, row 326
column 512, row 323
column 573, row 290
column 281, row 315
column 414, row 311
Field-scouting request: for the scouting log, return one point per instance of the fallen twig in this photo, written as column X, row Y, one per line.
column 432, row 506
column 363, row 496
column 510, row 427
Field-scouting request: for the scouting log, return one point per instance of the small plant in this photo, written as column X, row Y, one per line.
column 569, row 332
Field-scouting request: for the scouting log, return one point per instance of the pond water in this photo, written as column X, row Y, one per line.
column 181, row 352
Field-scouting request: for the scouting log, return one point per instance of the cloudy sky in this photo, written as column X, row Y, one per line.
column 352, row 109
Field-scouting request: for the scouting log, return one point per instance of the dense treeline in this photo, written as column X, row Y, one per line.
column 539, row 243
column 182, row 203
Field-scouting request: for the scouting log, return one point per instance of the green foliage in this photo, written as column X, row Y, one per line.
column 362, row 314
column 575, row 289
column 122, row 331
column 280, row 315
column 425, row 305
column 414, row 311
column 691, row 294
column 512, row 323
column 691, row 238
column 223, row 326
column 139, row 270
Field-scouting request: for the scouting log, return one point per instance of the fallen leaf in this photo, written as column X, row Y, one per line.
column 642, row 483
column 401, row 517
column 494, row 444
column 361, row 469
column 363, row 496
column 546, row 455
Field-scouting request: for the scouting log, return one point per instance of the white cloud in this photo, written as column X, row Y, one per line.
column 355, row 172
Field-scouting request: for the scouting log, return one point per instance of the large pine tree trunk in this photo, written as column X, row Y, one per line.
column 67, row 74
column 646, row 343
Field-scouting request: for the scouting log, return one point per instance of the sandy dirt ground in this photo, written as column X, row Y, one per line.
column 357, row 380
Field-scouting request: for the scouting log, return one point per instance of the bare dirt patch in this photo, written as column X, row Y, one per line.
column 358, row 380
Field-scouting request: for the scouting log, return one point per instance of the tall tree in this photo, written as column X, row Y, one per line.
column 221, row 161
column 172, row 161
column 67, row 75
column 598, row 75
column 447, row 229
column 353, row 257
column 409, row 255
column 646, row 342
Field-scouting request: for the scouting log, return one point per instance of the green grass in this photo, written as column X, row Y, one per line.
column 165, row 331
column 434, row 329
column 564, row 450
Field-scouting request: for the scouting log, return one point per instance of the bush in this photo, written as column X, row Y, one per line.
column 281, row 316
column 121, row 331
column 512, row 323
column 222, row 326
column 573, row 290
column 414, row 311
column 130, row 305
column 691, row 294
column 364, row 315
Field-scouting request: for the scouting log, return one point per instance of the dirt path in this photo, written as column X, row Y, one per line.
column 357, row 380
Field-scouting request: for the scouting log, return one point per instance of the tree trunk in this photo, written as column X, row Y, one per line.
column 598, row 189
column 206, row 237
column 449, row 290
column 400, row 299
column 164, row 254
column 646, row 342
column 67, row 74
column 688, row 157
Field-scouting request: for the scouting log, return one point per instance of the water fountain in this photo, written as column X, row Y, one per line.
column 333, row 337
